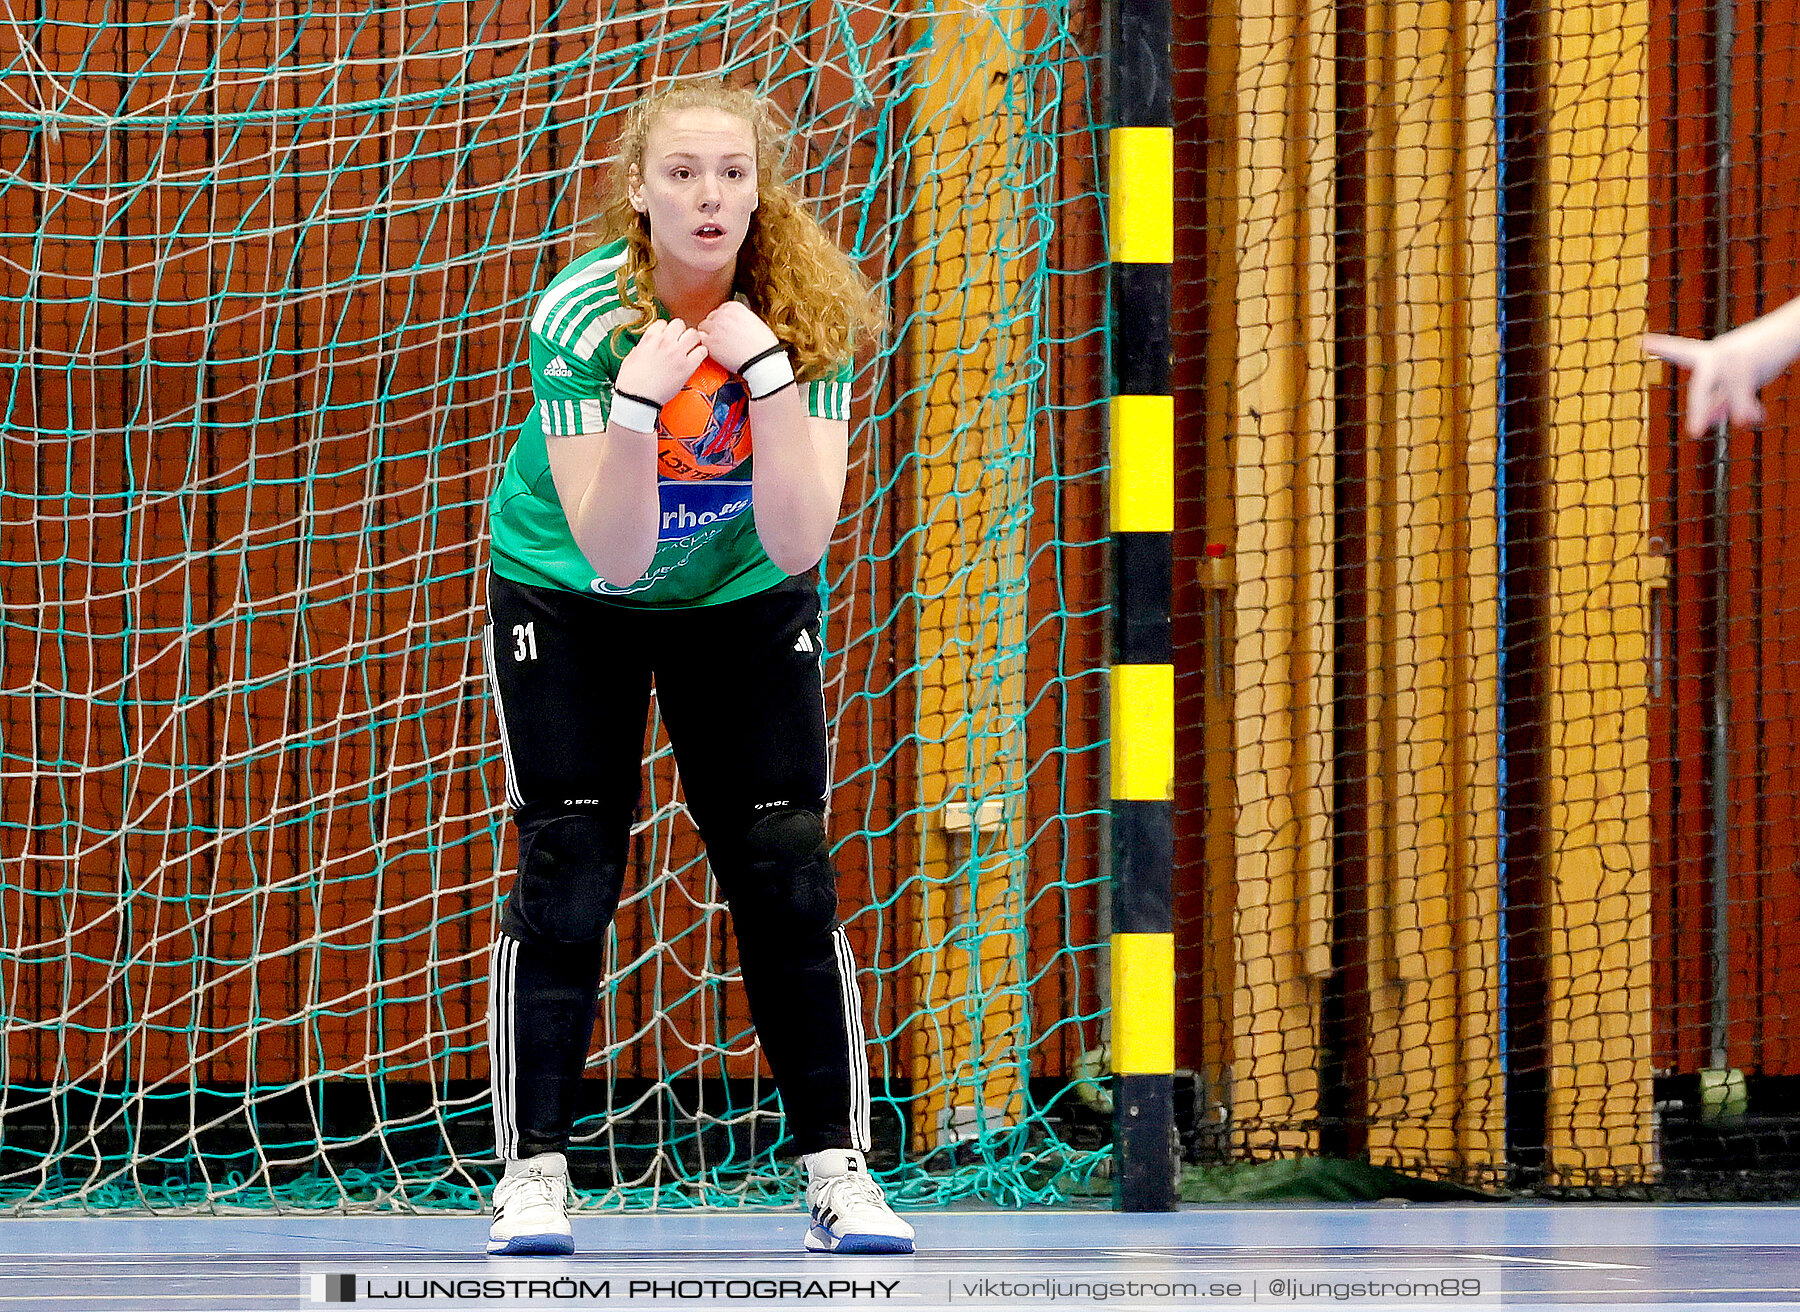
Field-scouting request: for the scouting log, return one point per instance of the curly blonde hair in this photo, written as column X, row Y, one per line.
column 789, row 271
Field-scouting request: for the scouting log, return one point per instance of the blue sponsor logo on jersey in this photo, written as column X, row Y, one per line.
column 690, row 508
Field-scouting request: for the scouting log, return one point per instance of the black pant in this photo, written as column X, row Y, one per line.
column 739, row 689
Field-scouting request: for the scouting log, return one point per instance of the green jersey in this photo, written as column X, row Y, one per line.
column 707, row 550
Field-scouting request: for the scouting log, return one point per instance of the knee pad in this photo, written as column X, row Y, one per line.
column 567, row 889
column 788, row 889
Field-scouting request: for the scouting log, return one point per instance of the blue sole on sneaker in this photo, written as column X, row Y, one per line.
column 821, row 1241
column 533, row 1246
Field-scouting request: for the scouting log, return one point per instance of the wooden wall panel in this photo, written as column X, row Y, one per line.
column 1763, row 639
column 1432, row 362
column 1599, row 958
column 969, row 415
column 164, row 312
column 23, row 590
column 1362, row 427
column 508, row 199
column 1283, row 541
column 869, row 636
column 82, row 355
column 1065, row 792
column 242, row 448
column 1677, row 478
column 1204, row 315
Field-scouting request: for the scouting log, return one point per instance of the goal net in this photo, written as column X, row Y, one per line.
column 266, row 271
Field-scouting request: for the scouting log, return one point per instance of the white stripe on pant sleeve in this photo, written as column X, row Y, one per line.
column 502, row 1058
column 514, row 797
column 851, row 995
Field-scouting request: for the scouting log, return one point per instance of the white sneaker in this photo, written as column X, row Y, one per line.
column 531, row 1208
column 850, row 1214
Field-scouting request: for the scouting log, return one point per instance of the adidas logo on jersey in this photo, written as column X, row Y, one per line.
column 805, row 642
column 558, row 368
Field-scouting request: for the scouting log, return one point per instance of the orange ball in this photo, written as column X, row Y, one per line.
column 704, row 429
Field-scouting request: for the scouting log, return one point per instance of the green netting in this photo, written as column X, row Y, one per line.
column 266, row 271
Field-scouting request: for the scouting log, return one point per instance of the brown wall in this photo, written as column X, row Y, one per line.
column 257, row 393
column 1755, row 635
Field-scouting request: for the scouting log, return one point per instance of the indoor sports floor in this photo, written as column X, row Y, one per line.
column 1391, row 1256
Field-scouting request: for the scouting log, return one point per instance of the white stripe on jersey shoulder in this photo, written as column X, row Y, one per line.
column 592, row 286
column 567, row 285
column 584, row 323
column 598, row 327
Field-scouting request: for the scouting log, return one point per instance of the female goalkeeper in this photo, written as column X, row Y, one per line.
column 632, row 545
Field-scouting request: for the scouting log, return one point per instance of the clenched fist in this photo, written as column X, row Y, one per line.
column 664, row 358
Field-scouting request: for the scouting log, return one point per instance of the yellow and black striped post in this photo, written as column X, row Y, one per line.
column 1141, row 235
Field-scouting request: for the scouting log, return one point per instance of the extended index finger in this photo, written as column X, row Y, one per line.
column 1684, row 351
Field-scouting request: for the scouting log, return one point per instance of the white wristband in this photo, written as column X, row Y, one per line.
column 634, row 412
column 768, row 373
